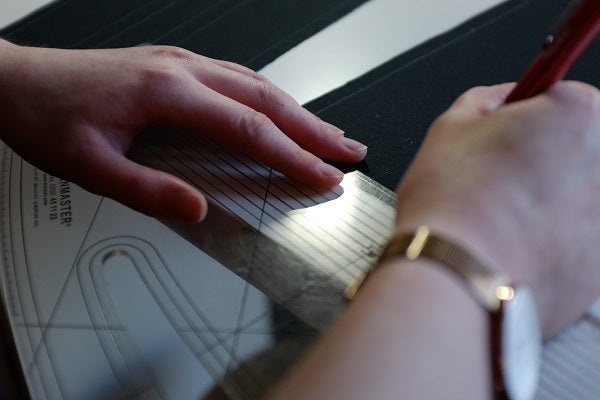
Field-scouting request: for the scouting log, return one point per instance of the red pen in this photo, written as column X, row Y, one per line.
column 560, row 50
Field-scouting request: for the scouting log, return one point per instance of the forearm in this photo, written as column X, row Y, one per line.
column 413, row 332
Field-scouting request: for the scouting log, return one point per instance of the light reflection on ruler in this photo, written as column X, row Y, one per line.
column 299, row 245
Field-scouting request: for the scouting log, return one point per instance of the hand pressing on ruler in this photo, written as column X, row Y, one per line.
column 75, row 114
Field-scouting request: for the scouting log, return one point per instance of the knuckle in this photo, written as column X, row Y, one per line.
column 161, row 77
column 247, row 71
column 253, row 127
column 271, row 96
column 167, row 68
column 257, row 76
column 174, row 54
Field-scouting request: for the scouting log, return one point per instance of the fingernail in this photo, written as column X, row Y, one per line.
column 353, row 145
column 187, row 206
column 330, row 171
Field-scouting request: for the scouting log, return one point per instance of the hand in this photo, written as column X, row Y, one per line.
column 519, row 185
column 75, row 114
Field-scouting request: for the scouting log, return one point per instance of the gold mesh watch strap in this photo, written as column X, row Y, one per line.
column 486, row 286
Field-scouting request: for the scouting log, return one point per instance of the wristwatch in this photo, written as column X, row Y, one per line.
column 515, row 334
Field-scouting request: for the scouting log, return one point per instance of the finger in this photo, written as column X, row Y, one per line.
column 483, row 99
column 306, row 129
column 241, row 128
column 578, row 104
column 154, row 193
column 574, row 93
column 240, row 69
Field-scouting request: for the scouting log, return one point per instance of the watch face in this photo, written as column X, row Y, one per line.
column 521, row 344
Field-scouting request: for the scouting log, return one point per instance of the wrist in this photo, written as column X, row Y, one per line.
column 503, row 250
column 515, row 337
column 497, row 241
column 425, row 303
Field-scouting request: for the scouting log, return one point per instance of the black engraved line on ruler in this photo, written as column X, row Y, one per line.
column 209, row 147
column 342, row 239
column 222, row 153
column 193, row 159
column 346, row 267
column 243, row 305
column 160, row 155
column 289, row 299
column 287, row 189
column 238, row 327
column 246, row 284
column 337, row 238
column 365, row 210
column 353, row 224
column 302, row 239
column 371, row 213
column 42, row 341
column 186, row 167
column 513, row 9
column 343, row 243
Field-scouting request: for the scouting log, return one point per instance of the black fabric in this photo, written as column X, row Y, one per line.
column 391, row 108
column 249, row 32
